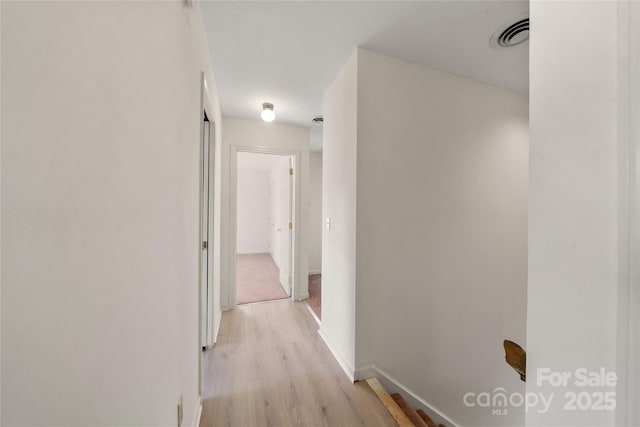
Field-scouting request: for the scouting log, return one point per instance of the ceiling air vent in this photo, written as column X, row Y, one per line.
column 511, row 34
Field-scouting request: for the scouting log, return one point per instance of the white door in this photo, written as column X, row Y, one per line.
column 206, row 287
column 286, row 225
column 274, row 235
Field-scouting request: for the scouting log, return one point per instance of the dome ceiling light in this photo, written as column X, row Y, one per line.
column 267, row 112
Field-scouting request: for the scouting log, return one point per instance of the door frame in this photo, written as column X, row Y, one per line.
column 233, row 215
column 205, row 109
column 206, row 316
column 628, row 339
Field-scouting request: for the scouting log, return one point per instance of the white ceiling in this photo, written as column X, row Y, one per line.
column 288, row 52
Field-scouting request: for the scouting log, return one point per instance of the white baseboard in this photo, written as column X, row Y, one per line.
column 392, row 385
column 254, row 252
column 315, row 272
column 302, row 296
column 313, row 314
column 344, row 363
column 195, row 421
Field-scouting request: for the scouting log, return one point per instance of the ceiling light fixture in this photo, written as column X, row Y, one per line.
column 267, row 112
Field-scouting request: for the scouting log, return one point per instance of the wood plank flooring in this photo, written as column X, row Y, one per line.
column 271, row 368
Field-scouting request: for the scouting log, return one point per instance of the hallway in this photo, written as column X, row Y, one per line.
column 270, row 367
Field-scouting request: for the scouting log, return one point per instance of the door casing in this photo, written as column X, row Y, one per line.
column 233, row 217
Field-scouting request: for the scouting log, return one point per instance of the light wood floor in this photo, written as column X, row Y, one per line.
column 271, row 368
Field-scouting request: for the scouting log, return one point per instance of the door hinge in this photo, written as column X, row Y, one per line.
column 205, row 245
column 290, row 226
column 290, row 171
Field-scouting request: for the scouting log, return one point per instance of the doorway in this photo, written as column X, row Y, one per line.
column 206, row 186
column 264, row 227
column 207, row 323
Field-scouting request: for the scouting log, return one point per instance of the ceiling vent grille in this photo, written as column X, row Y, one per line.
column 511, row 34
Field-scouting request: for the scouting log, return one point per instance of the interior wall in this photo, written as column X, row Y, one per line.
column 253, row 212
column 574, row 204
column 260, row 136
column 100, row 211
column 0, row 214
column 315, row 212
column 441, row 266
column 339, row 205
column 629, row 115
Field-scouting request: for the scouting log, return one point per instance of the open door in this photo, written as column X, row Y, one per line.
column 206, row 287
column 286, row 224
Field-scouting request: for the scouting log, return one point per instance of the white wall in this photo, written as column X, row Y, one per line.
column 273, row 137
column 441, row 232
column 0, row 215
column 100, row 211
column 315, row 212
column 439, row 274
column 253, row 212
column 629, row 296
column 574, row 205
column 339, row 204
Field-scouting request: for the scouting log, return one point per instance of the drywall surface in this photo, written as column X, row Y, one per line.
column 573, row 204
column 315, row 212
column 339, row 205
column 442, row 175
column 100, row 211
column 276, row 138
column 0, row 214
column 253, row 212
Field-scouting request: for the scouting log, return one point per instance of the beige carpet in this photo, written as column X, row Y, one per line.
column 257, row 279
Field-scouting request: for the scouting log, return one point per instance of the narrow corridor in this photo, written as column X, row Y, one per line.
column 270, row 367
